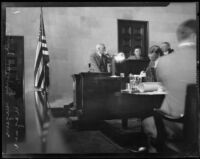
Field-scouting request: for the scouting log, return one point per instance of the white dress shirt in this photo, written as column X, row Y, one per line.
column 156, row 63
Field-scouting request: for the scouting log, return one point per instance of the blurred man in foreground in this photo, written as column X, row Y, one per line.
column 175, row 71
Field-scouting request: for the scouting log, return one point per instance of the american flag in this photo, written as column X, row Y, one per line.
column 41, row 68
column 41, row 84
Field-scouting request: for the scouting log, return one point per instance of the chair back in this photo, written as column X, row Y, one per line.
column 191, row 117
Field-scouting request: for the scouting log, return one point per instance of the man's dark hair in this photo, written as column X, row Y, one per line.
column 167, row 43
column 156, row 49
column 186, row 29
column 136, row 47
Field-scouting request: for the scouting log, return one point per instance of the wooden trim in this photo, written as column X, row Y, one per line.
column 84, row 4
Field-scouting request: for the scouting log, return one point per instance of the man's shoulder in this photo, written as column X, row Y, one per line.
column 187, row 49
column 167, row 60
column 94, row 54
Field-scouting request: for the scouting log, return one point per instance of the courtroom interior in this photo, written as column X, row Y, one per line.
column 102, row 79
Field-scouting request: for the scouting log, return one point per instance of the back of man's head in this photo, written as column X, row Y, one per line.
column 166, row 43
column 186, row 30
column 155, row 49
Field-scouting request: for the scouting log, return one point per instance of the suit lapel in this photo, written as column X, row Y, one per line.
column 103, row 59
column 97, row 59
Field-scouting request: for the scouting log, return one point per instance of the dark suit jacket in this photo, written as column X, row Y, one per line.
column 170, row 51
column 99, row 64
column 151, row 73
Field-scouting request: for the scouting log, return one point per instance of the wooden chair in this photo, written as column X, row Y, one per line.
column 188, row 146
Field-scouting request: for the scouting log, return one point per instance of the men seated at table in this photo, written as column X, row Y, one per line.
column 100, row 59
column 175, row 71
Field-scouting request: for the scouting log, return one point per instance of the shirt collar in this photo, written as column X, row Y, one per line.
column 186, row 44
column 156, row 63
column 166, row 52
column 99, row 54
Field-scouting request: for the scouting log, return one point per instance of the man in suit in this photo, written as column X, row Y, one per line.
column 166, row 48
column 99, row 60
column 175, row 71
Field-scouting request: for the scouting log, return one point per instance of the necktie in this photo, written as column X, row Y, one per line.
column 102, row 64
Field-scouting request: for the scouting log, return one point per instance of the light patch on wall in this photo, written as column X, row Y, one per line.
column 127, row 15
column 89, row 22
column 16, row 12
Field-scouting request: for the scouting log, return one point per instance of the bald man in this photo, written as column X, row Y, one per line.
column 99, row 59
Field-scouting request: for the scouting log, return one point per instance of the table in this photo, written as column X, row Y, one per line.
column 127, row 105
column 142, row 103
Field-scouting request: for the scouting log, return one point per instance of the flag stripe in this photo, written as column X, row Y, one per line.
column 41, row 78
column 37, row 52
column 43, row 40
column 44, row 49
column 44, row 43
column 38, row 61
column 38, row 73
column 39, row 109
column 45, row 52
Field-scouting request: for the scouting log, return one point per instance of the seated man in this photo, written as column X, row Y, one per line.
column 99, row 60
column 166, row 48
column 175, row 71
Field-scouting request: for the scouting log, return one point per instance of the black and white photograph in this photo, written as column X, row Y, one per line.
column 100, row 79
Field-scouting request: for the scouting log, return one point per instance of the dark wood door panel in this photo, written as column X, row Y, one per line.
column 131, row 34
column 13, row 88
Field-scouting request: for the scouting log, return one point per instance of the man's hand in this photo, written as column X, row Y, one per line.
column 142, row 74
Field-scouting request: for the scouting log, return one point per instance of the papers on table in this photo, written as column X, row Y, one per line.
column 144, row 93
column 147, row 88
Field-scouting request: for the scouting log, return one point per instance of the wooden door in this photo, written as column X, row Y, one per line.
column 132, row 33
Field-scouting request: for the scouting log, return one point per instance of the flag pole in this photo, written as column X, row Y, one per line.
column 43, row 137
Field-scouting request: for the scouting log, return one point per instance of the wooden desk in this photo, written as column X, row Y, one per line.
column 99, row 97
